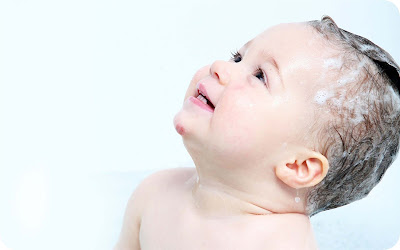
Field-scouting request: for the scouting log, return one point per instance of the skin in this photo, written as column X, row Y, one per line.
column 252, row 154
column 256, row 131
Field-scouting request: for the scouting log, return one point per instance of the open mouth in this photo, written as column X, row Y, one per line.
column 203, row 98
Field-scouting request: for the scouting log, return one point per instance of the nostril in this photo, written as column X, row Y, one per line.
column 216, row 75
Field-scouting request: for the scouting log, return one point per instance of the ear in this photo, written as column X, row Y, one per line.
column 307, row 169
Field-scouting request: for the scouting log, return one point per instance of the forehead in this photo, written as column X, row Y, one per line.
column 294, row 37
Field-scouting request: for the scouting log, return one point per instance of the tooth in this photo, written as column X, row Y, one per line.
column 201, row 98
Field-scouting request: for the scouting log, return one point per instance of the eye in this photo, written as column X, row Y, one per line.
column 259, row 73
column 236, row 57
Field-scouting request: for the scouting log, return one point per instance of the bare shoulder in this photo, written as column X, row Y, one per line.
column 171, row 174
column 160, row 181
column 148, row 190
column 167, row 177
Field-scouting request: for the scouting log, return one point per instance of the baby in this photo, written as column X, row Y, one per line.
column 303, row 118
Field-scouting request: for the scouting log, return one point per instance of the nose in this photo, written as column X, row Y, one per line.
column 221, row 71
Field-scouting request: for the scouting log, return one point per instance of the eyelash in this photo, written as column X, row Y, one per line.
column 237, row 56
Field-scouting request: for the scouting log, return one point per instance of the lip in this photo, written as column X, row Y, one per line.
column 200, row 88
column 200, row 104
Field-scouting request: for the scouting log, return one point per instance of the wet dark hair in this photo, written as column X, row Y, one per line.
column 359, row 151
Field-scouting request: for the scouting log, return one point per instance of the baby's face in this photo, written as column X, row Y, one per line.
column 263, row 97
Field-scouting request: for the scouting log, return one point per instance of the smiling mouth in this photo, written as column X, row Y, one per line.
column 204, row 99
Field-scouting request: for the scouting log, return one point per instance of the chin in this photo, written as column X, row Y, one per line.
column 184, row 124
column 191, row 124
column 179, row 124
column 190, row 129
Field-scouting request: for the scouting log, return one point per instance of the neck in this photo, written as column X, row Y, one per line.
column 234, row 196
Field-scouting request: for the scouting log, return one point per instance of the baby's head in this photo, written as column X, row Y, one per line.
column 304, row 106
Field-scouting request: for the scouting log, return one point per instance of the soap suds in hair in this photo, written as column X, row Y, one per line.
column 392, row 96
column 335, row 91
column 339, row 99
column 358, row 107
column 333, row 63
column 376, row 52
column 322, row 96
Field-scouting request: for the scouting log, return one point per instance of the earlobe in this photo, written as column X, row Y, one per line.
column 306, row 171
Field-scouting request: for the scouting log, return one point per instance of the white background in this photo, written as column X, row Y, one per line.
column 88, row 91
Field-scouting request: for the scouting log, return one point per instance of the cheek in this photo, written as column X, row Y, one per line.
column 238, row 110
column 240, row 123
column 249, row 125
